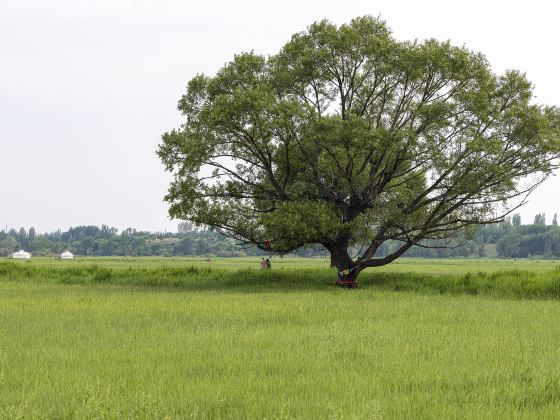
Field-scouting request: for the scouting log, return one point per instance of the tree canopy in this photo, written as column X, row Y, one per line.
column 348, row 136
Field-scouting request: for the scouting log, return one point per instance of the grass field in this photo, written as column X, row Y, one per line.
column 177, row 338
column 416, row 265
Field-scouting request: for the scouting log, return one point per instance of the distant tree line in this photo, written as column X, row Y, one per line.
column 108, row 241
column 508, row 239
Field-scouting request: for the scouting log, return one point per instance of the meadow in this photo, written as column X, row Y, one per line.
column 188, row 338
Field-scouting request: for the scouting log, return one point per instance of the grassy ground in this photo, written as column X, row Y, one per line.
column 88, row 341
column 416, row 265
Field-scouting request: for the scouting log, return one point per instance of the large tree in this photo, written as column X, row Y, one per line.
column 349, row 138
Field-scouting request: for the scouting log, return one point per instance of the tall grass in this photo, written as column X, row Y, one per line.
column 114, row 339
column 505, row 283
column 100, row 351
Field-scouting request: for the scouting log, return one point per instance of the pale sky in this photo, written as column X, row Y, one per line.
column 88, row 87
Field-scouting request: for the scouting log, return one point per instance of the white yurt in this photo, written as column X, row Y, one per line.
column 21, row 255
column 66, row 255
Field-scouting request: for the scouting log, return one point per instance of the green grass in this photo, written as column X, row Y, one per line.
column 138, row 338
column 416, row 265
column 539, row 280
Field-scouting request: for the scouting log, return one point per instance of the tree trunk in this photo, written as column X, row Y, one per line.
column 347, row 269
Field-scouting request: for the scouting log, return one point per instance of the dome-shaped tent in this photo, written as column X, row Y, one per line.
column 66, row 255
column 21, row 255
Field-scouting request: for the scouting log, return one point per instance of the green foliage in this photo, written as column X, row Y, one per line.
column 301, row 220
column 106, row 241
column 348, row 136
column 297, row 223
column 540, row 219
column 537, row 240
column 8, row 244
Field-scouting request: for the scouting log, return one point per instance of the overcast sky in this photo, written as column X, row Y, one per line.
column 88, row 87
